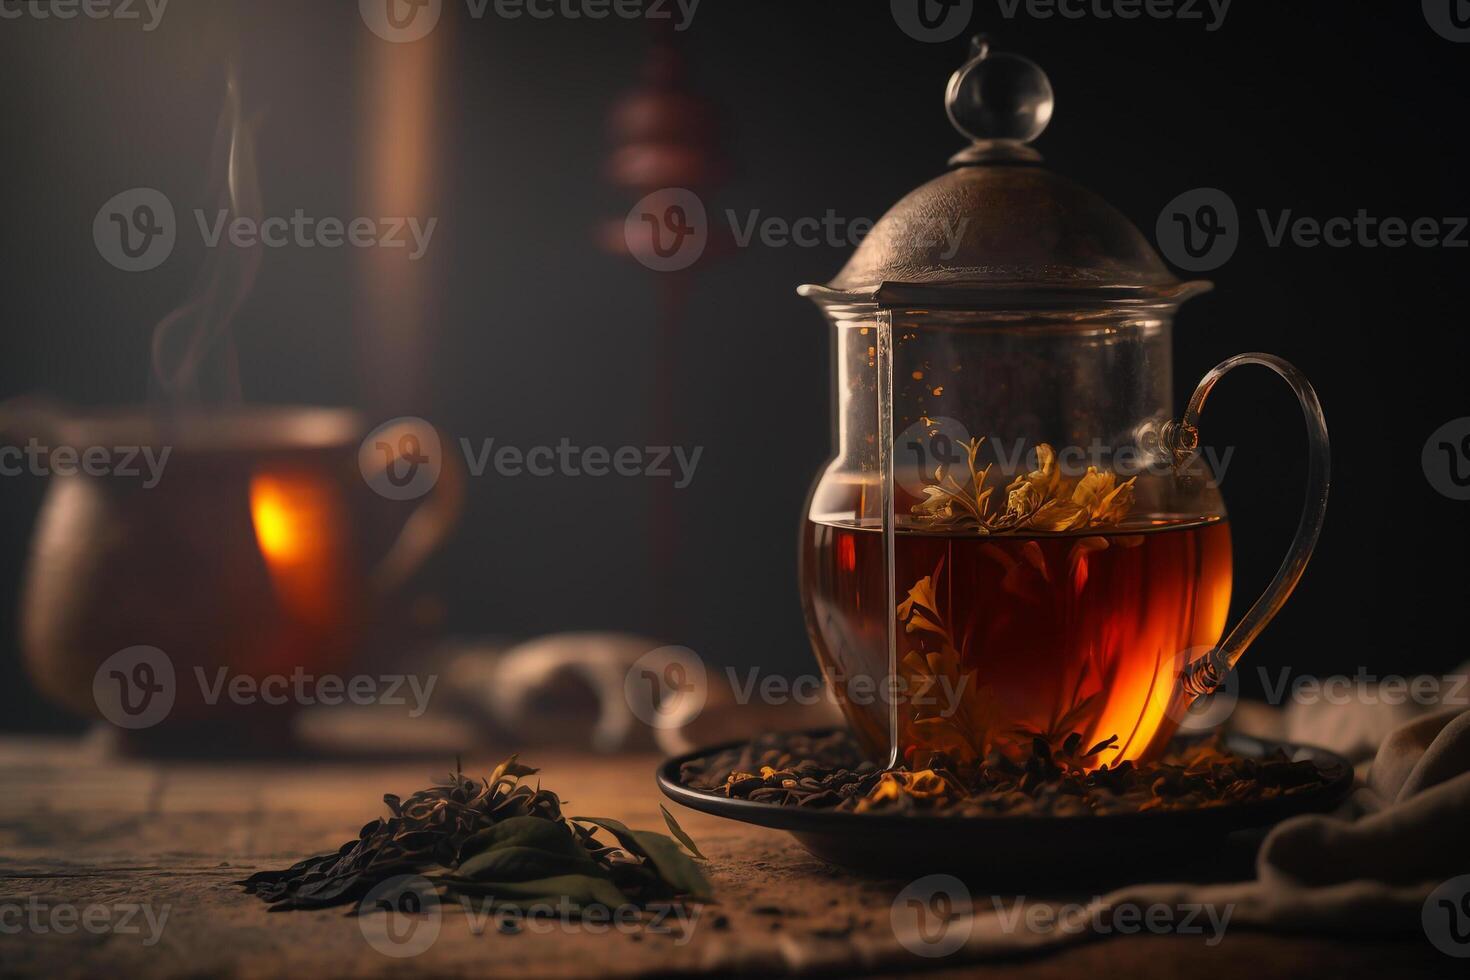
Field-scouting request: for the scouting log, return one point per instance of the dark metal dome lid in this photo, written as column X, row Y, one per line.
column 999, row 230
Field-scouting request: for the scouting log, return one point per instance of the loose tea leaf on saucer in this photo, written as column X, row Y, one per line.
column 499, row 839
column 828, row 771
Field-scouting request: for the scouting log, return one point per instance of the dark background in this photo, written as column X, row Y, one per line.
column 535, row 333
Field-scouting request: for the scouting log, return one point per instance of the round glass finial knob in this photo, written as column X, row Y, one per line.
column 999, row 96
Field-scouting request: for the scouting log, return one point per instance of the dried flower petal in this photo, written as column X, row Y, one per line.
column 1041, row 500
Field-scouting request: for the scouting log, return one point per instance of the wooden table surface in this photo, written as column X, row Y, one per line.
column 78, row 829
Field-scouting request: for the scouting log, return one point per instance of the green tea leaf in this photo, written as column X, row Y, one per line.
column 524, row 831
column 679, row 834
column 507, row 864
column 676, row 868
column 619, row 830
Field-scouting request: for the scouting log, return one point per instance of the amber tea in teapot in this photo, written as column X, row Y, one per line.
column 1003, row 636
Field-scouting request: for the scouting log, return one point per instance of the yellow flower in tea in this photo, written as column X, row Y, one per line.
column 1059, row 515
column 1105, row 499
column 1028, row 494
column 921, row 597
column 926, row 786
column 944, row 697
column 1041, row 500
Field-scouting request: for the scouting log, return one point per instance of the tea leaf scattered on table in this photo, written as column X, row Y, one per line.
column 531, row 832
column 495, row 838
column 525, row 863
column 679, row 834
column 676, row 867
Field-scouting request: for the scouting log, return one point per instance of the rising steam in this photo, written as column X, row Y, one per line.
column 194, row 359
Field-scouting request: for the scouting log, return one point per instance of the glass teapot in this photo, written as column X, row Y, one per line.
column 1015, row 540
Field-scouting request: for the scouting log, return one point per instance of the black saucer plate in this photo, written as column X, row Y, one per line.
column 1028, row 849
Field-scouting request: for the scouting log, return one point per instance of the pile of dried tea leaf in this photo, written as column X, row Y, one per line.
column 499, row 839
column 1063, row 780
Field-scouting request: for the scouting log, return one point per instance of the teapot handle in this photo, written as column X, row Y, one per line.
column 1207, row 673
